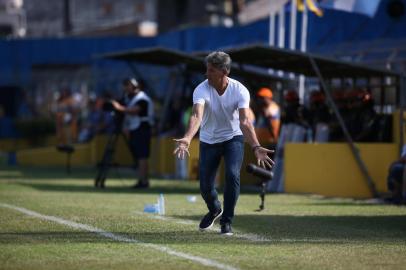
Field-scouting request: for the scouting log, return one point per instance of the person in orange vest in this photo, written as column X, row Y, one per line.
column 270, row 114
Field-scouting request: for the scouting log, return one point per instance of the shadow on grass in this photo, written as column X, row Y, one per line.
column 156, row 188
column 321, row 229
column 34, row 177
column 57, row 172
column 56, row 179
column 38, row 173
column 276, row 229
column 189, row 237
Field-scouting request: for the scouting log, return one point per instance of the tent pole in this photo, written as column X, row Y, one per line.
column 402, row 103
column 347, row 135
column 303, row 48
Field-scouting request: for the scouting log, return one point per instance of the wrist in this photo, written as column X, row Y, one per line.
column 255, row 147
column 188, row 140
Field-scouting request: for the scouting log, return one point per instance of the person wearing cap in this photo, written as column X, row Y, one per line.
column 270, row 116
column 293, row 111
column 221, row 110
column 138, row 121
column 396, row 179
column 363, row 123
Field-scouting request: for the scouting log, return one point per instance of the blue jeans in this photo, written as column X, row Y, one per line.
column 209, row 161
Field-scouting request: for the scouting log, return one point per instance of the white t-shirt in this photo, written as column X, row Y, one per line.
column 221, row 117
column 132, row 122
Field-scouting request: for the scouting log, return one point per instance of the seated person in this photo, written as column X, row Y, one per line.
column 270, row 115
column 293, row 112
column 94, row 122
column 363, row 120
column 319, row 116
column 396, row 179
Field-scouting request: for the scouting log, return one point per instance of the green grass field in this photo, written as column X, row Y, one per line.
column 49, row 220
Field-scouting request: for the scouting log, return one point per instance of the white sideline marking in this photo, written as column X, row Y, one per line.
column 75, row 225
column 247, row 236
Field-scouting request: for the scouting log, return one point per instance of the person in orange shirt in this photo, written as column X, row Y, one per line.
column 270, row 114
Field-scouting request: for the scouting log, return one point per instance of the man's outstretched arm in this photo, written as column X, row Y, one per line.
column 195, row 120
column 248, row 130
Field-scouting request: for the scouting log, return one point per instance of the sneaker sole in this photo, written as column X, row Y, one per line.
column 211, row 225
column 227, row 234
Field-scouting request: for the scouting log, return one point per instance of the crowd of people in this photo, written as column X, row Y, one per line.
column 79, row 118
column 317, row 119
column 71, row 116
column 76, row 122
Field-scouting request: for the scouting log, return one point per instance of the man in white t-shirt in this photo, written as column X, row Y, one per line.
column 221, row 110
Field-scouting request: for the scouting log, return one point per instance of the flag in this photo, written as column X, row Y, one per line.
column 311, row 5
column 366, row 7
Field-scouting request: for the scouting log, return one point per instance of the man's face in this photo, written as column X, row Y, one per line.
column 128, row 88
column 214, row 75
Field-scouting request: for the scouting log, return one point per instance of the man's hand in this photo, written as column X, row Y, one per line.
column 117, row 105
column 182, row 148
column 263, row 160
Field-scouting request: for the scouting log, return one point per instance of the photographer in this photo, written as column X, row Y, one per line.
column 138, row 120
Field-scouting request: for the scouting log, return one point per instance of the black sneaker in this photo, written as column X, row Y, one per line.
column 208, row 220
column 226, row 229
column 140, row 185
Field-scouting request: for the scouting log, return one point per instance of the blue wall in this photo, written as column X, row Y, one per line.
column 18, row 56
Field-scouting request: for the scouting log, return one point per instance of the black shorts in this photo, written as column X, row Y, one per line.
column 140, row 140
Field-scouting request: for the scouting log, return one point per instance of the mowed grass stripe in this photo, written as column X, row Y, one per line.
column 119, row 238
column 252, row 237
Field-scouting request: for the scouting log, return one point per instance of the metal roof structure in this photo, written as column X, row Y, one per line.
column 299, row 62
column 169, row 57
column 158, row 56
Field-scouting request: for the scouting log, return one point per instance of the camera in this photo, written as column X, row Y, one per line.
column 259, row 172
column 108, row 106
column 118, row 117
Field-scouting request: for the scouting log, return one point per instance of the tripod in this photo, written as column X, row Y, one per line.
column 106, row 162
column 109, row 150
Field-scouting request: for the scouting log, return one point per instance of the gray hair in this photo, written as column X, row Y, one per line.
column 219, row 60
